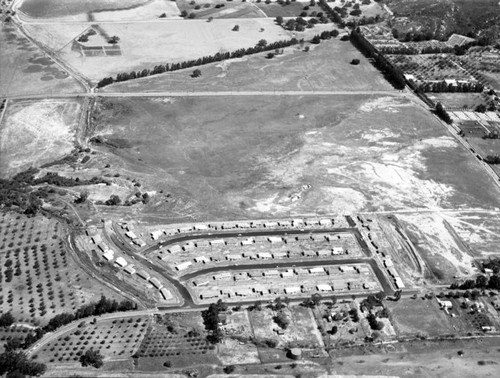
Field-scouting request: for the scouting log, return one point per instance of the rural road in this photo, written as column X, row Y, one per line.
column 205, row 94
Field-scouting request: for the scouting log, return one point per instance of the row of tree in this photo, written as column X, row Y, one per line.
column 442, row 113
column 211, row 321
column 333, row 14
column 458, row 87
column 481, row 282
column 260, row 47
column 392, row 73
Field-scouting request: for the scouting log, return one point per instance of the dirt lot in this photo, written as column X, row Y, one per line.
column 37, row 132
column 324, row 67
column 25, row 70
column 145, row 45
column 356, row 152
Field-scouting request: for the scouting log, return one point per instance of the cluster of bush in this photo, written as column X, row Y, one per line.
column 324, row 35
column 260, row 47
column 336, row 14
column 211, row 321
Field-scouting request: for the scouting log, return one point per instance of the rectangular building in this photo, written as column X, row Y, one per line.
column 223, row 276
column 174, row 249
column 292, row 290
column 201, row 259
column 323, row 287
column 166, row 294
column 144, row 275
column 275, row 239
column 317, row 270
column 217, row 242
column 155, row 235
column 183, row 265
column 120, row 261
column 234, row 257
column 130, row 235
column 156, row 282
column 264, row 256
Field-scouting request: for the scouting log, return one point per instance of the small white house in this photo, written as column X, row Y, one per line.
column 183, row 265
column 120, row 261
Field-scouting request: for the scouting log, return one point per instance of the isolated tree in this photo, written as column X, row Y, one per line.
column 113, row 200
column 279, row 20
column 84, row 195
column 236, row 28
column 262, row 43
column 163, row 15
column 92, row 358
column 196, row 73
column 316, row 40
column 316, row 299
column 114, row 40
column 184, row 13
column 355, row 62
column 281, row 320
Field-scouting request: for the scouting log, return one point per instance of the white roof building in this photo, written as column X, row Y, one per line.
column 121, row 262
column 175, row 249
column 183, row 265
column 264, row 255
column 166, row 294
column 201, row 259
column 324, row 252
column 324, row 287
column 217, row 242
column 275, row 239
column 156, row 234
column 292, row 290
column 280, row 255
column 248, row 241
column 287, row 273
column 156, row 282
column 337, row 251
column 130, row 269
column 201, row 227
column 317, row 270
column 185, row 229
column 130, row 235
column 270, row 224
column 325, row 222
column 143, row 274
column 244, row 292
column 96, row 239
column 108, row 255
column 233, row 257
column 223, row 276
column 271, row 273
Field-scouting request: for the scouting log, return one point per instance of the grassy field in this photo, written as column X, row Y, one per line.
column 25, row 70
column 39, row 277
column 145, row 45
column 290, row 10
column 36, row 132
column 246, row 155
column 460, row 100
column 325, row 67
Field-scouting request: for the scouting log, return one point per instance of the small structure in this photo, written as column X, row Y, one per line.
column 210, row 294
column 234, row 257
column 264, row 256
column 317, row 270
column 244, row 292
column 217, row 242
column 201, row 259
column 287, row 273
column 295, row 354
column 223, row 276
column 141, row 243
column 270, row 224
column 185, row 229
column 120, row 261
column 324, row 287
column 201, row 227
column 144, row 275
column 248, row 241
column 324, row 253
column 325, row 222
column 271, row 273
column 280, row 255
column 96, row 239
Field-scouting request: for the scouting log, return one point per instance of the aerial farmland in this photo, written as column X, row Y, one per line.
column 249, row 188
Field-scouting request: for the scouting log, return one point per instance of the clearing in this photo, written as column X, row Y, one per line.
column 37, row 132
column 247, row 155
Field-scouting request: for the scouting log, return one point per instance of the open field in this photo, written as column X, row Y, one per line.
column 36, row 132
column 96, row 10
column 24, row 69
column 358, row 153
column 115, row 340
column 39, row 277
column 290, row 10
column 458, row 100
column 220, row 9
column 145, row 45
column 324, row 67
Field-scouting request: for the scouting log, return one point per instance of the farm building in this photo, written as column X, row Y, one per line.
column 108, row 255
column 175, row 249
column 156, row 282
column 223, row 276
column 130, row 269
column 96, row 239
column 183, row 265
column 166, row 294
column 317, row 270
column 143, row 274
column 234, row 257
column 271, row 273
column 201, row 259
column 275, row 240
column 120, row 261
column 156, row 234
column 292, row 290
column 210, row 294
column 287, row 273
column 280, row 255
column 130, row 235
column 323, row 287
column 264, row 256
column 217, row 242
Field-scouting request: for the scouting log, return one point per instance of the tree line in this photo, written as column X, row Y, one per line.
column 198, row 62
column 458, row 87
column 333, row 14
column 392, row 73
